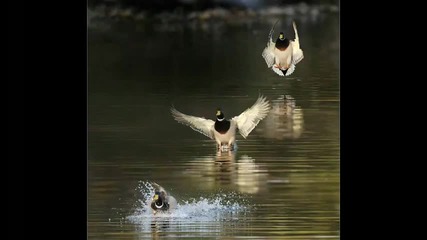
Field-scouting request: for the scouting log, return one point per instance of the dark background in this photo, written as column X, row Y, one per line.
column 161, row 5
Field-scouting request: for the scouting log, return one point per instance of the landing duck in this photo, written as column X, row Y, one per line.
column 223, row 130
column 283, row 55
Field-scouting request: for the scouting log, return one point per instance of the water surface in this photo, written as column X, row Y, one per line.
column 281, row 183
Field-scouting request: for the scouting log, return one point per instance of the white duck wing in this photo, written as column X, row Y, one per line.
column 298, row 54
column 278, row 71
column 268, row 52
column 250, row 118
column 291, row 69
column 199, row 124
column 268, row 55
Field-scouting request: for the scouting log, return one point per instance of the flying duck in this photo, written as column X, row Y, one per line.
column 223, row 130
column 282, row 56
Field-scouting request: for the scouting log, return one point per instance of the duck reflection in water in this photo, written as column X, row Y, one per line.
column 158, row 227
column 229, row 169
column 284, row 121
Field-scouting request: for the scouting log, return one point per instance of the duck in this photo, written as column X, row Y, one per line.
column 223, row 130
column 162, row 201
column 283, row 55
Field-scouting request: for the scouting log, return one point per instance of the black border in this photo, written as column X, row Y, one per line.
column 15, row 124
column 53, row 192
column 347, row 183
column 368, row 108
column 55, row 185
column 352, row 129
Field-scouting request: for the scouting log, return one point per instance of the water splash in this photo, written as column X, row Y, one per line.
column 215, row 208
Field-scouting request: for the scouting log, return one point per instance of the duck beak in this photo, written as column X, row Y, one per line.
column 156, row 197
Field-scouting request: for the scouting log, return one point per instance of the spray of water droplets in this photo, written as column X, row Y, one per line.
column 216, row 207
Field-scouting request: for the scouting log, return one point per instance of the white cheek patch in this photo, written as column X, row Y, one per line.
column 158, row 206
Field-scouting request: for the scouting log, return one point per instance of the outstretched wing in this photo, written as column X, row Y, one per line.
column 268, row 55
column 250, row 118
column 298, row 54
column 268, row 52
column 199, row 124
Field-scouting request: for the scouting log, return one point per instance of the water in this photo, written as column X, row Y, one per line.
column 281, row 183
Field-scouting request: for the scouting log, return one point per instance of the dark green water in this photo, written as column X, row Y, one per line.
column 285, row 174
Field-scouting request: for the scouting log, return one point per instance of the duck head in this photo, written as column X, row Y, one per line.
column 159, row 203
column 219, row 115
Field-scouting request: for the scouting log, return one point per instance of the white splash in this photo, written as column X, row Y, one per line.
column 219, row 207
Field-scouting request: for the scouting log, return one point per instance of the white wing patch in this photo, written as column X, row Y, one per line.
column 268, row 55
column 278, row 71
column 296, row 41
column 250, row 118
column 268, row 52
column 199, row 124
column 298, row 54
column 291, row 69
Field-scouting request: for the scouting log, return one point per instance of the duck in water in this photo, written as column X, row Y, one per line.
column 162, row 201
column 223, row 130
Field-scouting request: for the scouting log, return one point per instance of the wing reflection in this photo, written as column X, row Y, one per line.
column 229, row 169
column 284, row 121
